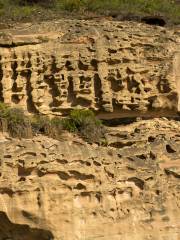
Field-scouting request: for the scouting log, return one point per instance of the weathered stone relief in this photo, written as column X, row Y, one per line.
column 71, row 190
column 122, row 69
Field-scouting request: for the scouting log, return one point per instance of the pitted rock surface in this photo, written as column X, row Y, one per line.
column 71, row 190
column 115, row 68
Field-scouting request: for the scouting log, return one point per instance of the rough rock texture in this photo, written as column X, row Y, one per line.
column 71, row 190
column 123, row 69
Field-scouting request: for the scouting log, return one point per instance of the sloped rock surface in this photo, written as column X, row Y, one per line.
column 71, row 190
column 115, row 68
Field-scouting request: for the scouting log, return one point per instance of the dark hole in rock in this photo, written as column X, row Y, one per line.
column 158, row 192
column 151, row 139
column 152, row 156
column 68, row 66
column 22, row 179
column 142, row 156
column 97, row 163
column 169, row 149
column 121, row 144
column 119, row 121
column 80, row 186
column 137, row 130
column 138, row 182
column 98, row 196
column 22, row 172
column 15, row 98
column 114, row 15
column 152, row 20
column 172, row 172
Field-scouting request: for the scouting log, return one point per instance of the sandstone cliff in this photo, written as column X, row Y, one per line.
column 123, row 69
column 70, row 190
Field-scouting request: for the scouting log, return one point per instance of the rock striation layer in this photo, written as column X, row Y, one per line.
column 71, row 190
column 115, row 68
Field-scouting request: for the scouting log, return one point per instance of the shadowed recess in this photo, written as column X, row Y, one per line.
column 9, row 230
column 154, row 21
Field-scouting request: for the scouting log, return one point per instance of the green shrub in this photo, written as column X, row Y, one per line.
column 69, row 125
column 168, row 7
column 40, row 124
column 31, row 2
column 3, row 122
column 55, row 128
column 18, row 124
column 22, row 12
column 56, row 122
column 79, row 116
column 83, row 122
column 92, row 130
column 71, row 5
column 44, row 125
column 86, row 124
column 4, row 108
column 1, row 4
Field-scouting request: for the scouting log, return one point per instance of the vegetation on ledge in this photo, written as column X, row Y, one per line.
column 81, row 122
column 43, row 9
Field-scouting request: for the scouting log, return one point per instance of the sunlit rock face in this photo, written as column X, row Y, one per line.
column 73, row 190
column 115, row 68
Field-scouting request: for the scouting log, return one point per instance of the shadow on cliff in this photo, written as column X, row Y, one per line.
column 11, row 231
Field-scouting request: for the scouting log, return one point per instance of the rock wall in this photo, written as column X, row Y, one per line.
column 115, row 68
column 71, row 190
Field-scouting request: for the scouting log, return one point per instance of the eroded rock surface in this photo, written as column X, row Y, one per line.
column 123, row 69
column 71, row 190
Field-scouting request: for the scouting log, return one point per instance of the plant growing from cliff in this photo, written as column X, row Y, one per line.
column 55, row 128
column 44, row 125
column 40, row 123
column 82, row 122
column 4, row 108
column 86, row 124
column 18, row 124
column 69, row 125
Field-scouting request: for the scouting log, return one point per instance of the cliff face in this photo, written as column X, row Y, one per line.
column 72, row 190
column 69, row 189
column 123, row 69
